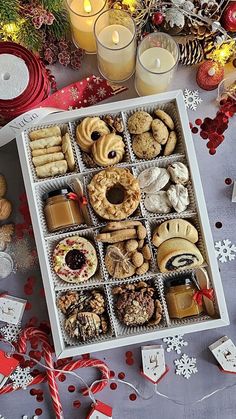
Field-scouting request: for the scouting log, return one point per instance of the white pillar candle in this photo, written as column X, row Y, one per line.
column 83, row 14
column 116, row 47
column 156, row 65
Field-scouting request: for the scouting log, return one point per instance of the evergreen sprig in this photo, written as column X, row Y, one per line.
column 60, row 26
column 53, row 5
column 9, row 11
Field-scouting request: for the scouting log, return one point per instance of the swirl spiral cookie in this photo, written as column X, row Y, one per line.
column 75, row 259
column 121, row 184
column 108, row 150
column 90, row 130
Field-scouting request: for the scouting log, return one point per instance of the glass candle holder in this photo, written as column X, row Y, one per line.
column 83, row 14
column 157, row 61
column 115, row 33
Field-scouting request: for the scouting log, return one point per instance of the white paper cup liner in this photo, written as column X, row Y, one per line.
column 123, row 330
column 59, row 284
column 83, row 167
column 169, row 108
column 65, row 128
column 102, row 337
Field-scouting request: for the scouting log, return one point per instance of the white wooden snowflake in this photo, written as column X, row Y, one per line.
column 192, row 99
column 185, row 366
column 175, row 343
column 225, row 250
column 21, row 378
column 10, row 332
column 27, row 417
column 2, row 417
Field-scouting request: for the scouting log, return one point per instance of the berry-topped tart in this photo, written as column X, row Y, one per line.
column 75, row 259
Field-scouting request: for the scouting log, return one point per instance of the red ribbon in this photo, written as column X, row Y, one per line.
column 82, row 200
column 205, row 292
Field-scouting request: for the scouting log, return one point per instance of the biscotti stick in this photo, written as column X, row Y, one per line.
column 45, row 143
column 52, row 169
column 43, row 151
column 44, row 133
column 48, row 158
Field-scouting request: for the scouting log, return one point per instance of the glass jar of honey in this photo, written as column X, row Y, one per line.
column 60, row 210
column 179, row 298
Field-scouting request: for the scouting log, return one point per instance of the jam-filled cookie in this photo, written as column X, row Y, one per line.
column 90, row 130
column 75, row 259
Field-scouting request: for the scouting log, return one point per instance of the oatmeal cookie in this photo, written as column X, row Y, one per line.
column 145, row 146
column 139, row 122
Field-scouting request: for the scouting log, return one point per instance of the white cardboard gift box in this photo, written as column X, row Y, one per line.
column 64, row 350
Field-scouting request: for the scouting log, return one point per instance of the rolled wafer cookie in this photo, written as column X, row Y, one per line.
column 45, row 133
column 52, row 169
column 45, row 143
column 43, row 151
column 48, row 158
column 117, row 236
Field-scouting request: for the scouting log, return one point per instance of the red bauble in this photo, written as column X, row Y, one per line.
column 157, row 18
column 229, row 17
column 209, row 75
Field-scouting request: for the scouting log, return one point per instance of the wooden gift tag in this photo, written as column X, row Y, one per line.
column 11, row 309
column 224, row 351
column 153, row 359
column 100, row 411
column 8, row 364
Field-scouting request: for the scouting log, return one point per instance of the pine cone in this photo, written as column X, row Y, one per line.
column 191, row 52
column 208, row 9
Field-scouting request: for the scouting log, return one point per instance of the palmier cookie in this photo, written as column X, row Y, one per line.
column 145, row 147
column 139, row 122
column 90, row 130
column 108, row 150
column 168, row 121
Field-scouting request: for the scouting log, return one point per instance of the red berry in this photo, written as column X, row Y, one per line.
column 157, row 18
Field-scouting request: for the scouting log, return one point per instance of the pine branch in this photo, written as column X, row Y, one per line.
column 30, row 37
column 60, row 26
column 9, row 11
column 53, row 5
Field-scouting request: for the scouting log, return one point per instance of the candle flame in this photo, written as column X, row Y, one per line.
column 87, row 6
column 115, row 37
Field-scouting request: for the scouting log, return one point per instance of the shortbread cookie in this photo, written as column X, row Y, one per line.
column 47, row 158
column 117, row 236
column 147, row 177
column 139, row 122
column 168, row 121
column 45, row 133
column 120, row 225
column 174, row 228
column 68, row 152
column 5, row 209
column 178, row 253
column 145, row 147
column 178, row 173
column 159, row 131
column 178, row 197
column 52, row 169
column 114, row 178
column 171, row 143
column 108, row 150
column 159, row 183
column 75, row 259
column 158, row 203
column 43, row 151
column 46, row 143
column 118, row 263
column 90, row 130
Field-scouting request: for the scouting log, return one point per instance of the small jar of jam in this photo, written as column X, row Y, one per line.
column 60, row 210
column 179, row 298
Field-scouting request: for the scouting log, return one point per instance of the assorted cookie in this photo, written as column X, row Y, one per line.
column 5, row 204
column 127, row 252
column 85, row 314
column 165, row 189
column 137, row 304
column 51, row 151
column 101, row 140
column 152, row 135
column 176, row 245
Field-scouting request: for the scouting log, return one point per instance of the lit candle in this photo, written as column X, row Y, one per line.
column 83, row 14
column 156, row 64
column 116, row 45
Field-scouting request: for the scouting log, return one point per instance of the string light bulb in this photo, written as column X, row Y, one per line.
column 10, row 30
column 131, row 4
column 222, row 53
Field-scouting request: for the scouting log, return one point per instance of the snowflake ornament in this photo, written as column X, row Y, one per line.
column 10, row 332
column 192, row 99
column 2, row 417
column 175, row 343
column 225, row 250
column 21, row 378
column 185, row 366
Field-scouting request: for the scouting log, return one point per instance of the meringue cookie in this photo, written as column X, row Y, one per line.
column 178, row 197
column 158, row 184
column 148, row 176
column 178, row 173
column 158, row 203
